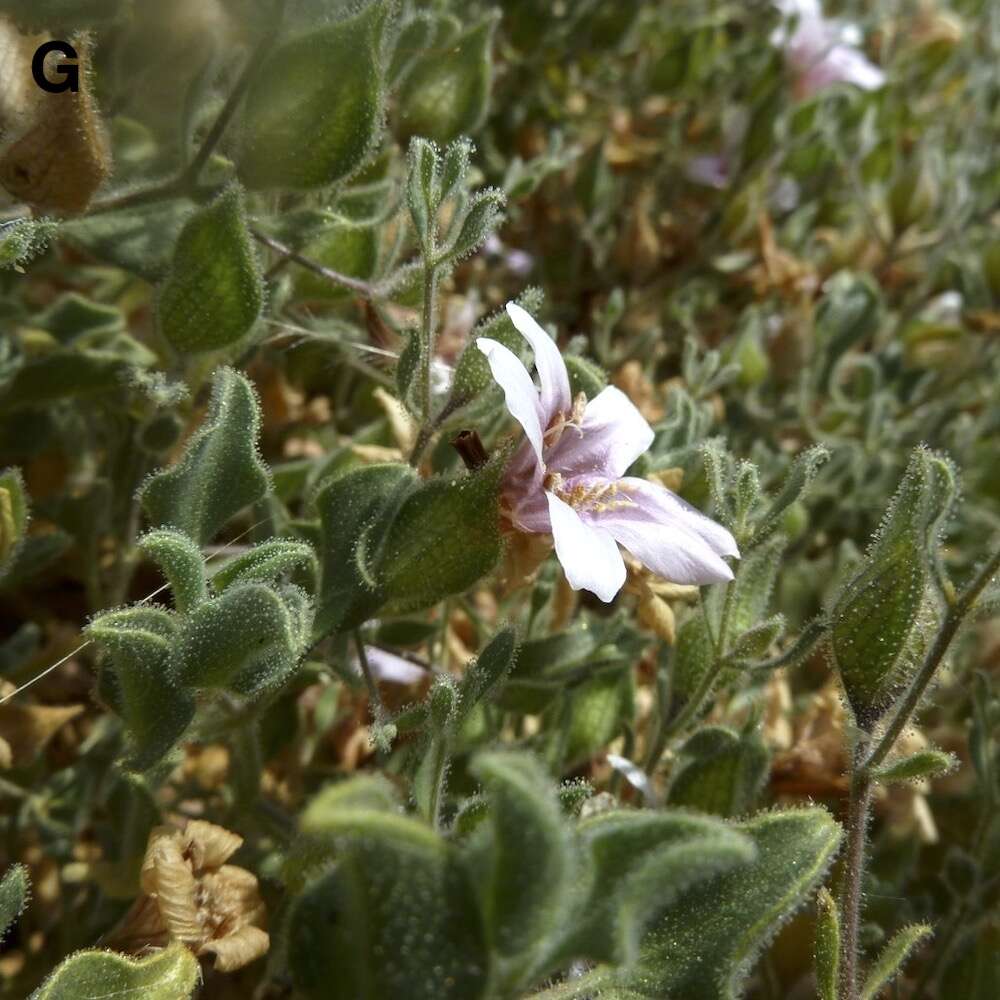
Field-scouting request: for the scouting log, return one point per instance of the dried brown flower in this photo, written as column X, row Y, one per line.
column 191, row 895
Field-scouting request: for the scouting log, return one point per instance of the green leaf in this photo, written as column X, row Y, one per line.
column 181, row 562
column 215, row 289
column 268, row 562
column 850, row 312
column 14, row 889
column 801, row 474
column 23, row 239
column 170, row 974
column 247, row 640
column 720, row 772
column 694, row 655
column 486, row 674
column 528, row 875
column 916, row 766
column 892, row 957
column 220, row 472
column 599, row 708
column 444, row 539
column 756, row 641
column 345, row 248
column 352, row 507
column 585, row 376
column 140, row 240
column 827, row 953
column 482, row 216
column 63, row 374
column 422, row 188
column 313, row 114
column 641, row 862
column 879, row 621
column 447, row 91
column 705, row 945
column 394, row 917
column 14, row 515
column 155, row 708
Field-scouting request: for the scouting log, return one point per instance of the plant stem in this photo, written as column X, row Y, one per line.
column 694, row 704
column 430, row 280
column 374, row 698
column 362, row 288
column 854, row 866
column 864, row 763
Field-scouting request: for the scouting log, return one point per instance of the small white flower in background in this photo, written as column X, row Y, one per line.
column 568, row 478
column 390, row 668
column 822, row 51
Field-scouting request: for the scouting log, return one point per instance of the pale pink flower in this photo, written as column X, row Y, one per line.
column 821, row 51
column 390, row 668
column 568, row 479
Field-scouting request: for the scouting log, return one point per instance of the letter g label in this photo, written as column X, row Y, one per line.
column 68, row 72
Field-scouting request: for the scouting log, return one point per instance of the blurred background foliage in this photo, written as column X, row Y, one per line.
column 762, row 265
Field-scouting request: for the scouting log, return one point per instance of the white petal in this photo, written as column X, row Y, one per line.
column 588, row 554
column 519, row 391
column 670, row 509
column 612, row 435
column 548, row 362
column 388, row 667
column 668, row 550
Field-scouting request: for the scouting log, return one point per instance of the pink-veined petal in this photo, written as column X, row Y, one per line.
column 588, row 554
column 611, row 436
column 660, row 504
column 668, row 550
column 552, row 375
column 519, row 391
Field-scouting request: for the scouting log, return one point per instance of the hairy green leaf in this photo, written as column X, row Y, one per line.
column 14, row 889
column 214, row 292
column 220, row 472
column 892, row 958
column 170, row 974
column 313, row 114
column 446, row 93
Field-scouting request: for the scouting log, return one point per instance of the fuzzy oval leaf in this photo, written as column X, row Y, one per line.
column 350, row 506
column 705, row 945
column 14, row 889
column 876, row 621
column 446, row 93
column 394, row 917
column 641, row 862
column 444, row 539
column 214, row 292
column 155, row 708
column 928, row 763
column 526, row 888
column 720, row 772
column 313, row 114
column 891, row 959
column 246, row 640
column 170, row 974
column 220, row 472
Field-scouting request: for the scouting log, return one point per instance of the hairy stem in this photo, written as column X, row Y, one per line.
column 854, row 867
column 694, row 704
column 362, row 288
column 864, row 763
column 374, row 698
